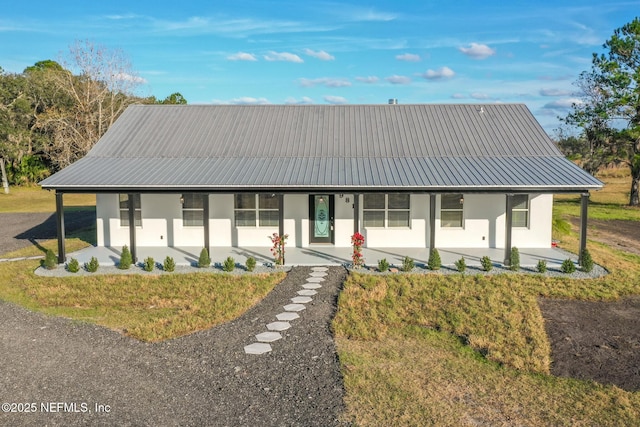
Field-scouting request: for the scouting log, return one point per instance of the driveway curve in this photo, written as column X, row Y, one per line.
column 71, row 373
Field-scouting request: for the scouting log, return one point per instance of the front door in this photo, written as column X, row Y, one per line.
column 321, row 218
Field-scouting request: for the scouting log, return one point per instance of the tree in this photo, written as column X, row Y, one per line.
column 175, row 98
column 93, row 98
column 609, row 114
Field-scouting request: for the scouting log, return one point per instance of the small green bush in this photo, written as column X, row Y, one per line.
column 251, row 263
column 125, row 259
column 434, row 262
column 50, row 261
column 92, row 265
column 461, row 265
column 169, row 264
column 514, row 259
column 229, row 264
column 149, row 263
column 408, row 264
column 73, row 266
column 204, row 261
column 383, row 265
column 586, row 262
column 541, row 267
column 568, row 266
column 487, row 265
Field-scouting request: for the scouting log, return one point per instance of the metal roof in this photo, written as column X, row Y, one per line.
column 425, row 147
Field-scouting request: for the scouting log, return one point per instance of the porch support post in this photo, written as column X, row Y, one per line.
column 584, row 206
column 132, row 226
column 432, row 222
column 205, row 222
column 281, row 220
column 62, row 256
column 508, row 222
column 356, row 213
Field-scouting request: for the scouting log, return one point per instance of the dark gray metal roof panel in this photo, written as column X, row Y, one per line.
column 351, row 146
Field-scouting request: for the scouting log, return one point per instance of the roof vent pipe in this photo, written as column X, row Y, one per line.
column 393, row 101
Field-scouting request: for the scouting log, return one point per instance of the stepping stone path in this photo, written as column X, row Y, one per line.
column 291, row 313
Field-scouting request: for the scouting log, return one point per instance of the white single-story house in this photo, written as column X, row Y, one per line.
column 414, row 176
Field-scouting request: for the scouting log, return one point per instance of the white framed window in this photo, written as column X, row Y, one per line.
column 192, row 209
column 123, row 201
column 452, row 210
column 387, row 210
column 520, row 211
column 261, row 210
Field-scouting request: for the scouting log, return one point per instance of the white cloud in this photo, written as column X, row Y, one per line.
column 321, row 54
column 398, row 80
column 563, row 104
column 477, row 51
column 244, row 100
column 283, row 56
column 555, row 92
column 439, row 74
column 125, row 77
column 242, row 56
column 324, row 81
column 458, row 96
column 293, row 101
column 368, row 79
column 409, row 57
column 335, row 99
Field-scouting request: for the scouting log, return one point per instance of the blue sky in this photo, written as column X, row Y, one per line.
column 319, row 52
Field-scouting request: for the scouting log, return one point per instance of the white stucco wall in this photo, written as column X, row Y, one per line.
column 484, row 218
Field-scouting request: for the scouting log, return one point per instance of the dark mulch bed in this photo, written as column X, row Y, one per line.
column 597, row 341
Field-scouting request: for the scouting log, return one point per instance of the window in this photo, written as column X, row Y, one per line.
column 386, row 210
column 520, row 211
column 193, row 209
column 124, row 210
column 262, row 209
column 451, row 210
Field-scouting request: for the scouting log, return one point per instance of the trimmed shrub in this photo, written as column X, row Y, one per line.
column 251, row 263
column 487, row 265
column 169, row 264
column 434, row 262
column 568, row 266
column 125, row 259
column 73, row 266
column 204, row 261
column 50, row 261
column 541, row 267
column 92, row 265
column 514, row 259
column 229, row 264
column 383, row 265
column 408, row 264
column 149, row 263
column 586, row 262
column 461, row 265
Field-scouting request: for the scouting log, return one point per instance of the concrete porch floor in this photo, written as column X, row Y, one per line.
column 324, row 255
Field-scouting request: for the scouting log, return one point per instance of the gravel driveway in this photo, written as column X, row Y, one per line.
column 201, row 379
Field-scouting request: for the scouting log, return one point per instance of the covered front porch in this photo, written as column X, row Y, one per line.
column 325, row 255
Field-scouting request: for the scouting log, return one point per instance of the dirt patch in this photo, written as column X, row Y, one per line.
column 618, row 234
column 597, row 341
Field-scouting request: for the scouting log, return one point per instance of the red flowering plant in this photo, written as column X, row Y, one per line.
column 357, row 240
column 278, row 247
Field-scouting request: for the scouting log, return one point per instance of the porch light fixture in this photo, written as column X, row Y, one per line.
column 341, row 196
column 182, row 200
column 461, row 200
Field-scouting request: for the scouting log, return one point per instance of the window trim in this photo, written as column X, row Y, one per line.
column 527, row 210
column 183, row 201
column 257, row 210
column 460, row 196
column 138, row 208
column 386, row 211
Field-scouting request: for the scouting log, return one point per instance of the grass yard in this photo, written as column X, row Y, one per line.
column 35, row 199
column 472, row 350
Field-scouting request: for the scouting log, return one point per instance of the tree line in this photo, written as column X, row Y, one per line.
column 53, row 113
column 607, row 117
